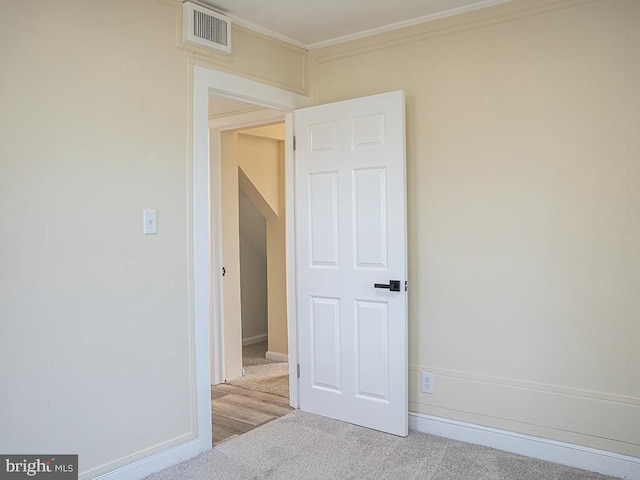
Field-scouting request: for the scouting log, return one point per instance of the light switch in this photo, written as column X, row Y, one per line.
column 150, row 225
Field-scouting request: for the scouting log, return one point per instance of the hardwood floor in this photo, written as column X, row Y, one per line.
column 236, row 410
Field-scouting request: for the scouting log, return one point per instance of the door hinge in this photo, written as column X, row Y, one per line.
column 224, row 271
column 298, row 368
column 406, row 285
column 294, row 143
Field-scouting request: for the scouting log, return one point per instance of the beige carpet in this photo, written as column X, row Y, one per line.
column 262, row 375
column 303, row 446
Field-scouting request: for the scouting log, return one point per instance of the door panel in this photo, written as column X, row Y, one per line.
column 372, row 355
column 370, row 218
column 325, row 328
column 323, row 219
column 351, row 234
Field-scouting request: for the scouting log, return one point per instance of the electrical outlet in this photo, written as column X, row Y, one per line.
column 426, row 382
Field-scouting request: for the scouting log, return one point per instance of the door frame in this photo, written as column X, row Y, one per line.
column 207, row 229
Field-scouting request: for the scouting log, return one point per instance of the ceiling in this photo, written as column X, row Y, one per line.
column 316, row 23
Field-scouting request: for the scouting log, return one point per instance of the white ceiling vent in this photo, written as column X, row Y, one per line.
column 206, row 28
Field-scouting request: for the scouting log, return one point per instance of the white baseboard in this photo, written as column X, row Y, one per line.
column 254, row 340
column 278, row 357
column 601, row 461
column 157, row 462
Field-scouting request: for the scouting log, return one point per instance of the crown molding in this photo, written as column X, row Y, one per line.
column 406, row 23
column 241, row 22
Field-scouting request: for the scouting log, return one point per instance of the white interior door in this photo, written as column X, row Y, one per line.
column 350, row 210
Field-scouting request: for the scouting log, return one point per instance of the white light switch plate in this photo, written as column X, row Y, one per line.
column 150, row 225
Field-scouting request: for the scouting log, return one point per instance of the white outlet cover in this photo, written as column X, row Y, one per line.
column 426, row 382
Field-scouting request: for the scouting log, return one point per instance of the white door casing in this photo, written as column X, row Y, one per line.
column 350, row 216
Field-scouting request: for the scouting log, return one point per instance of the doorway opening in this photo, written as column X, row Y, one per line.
column 208, row 347
column 254, row 341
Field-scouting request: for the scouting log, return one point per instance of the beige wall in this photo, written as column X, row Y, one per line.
column 231, row 297
column 262, row 180
column 260, row 58
column 258, row 158
column 523, row 137
column 96, row 319
column 253, row 293
column 277, row 271
column 253, row 271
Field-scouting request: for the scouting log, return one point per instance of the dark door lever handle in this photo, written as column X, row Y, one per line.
column 393, row 285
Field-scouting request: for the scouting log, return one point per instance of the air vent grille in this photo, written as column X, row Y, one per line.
column 206, row 28
column 209, row 28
